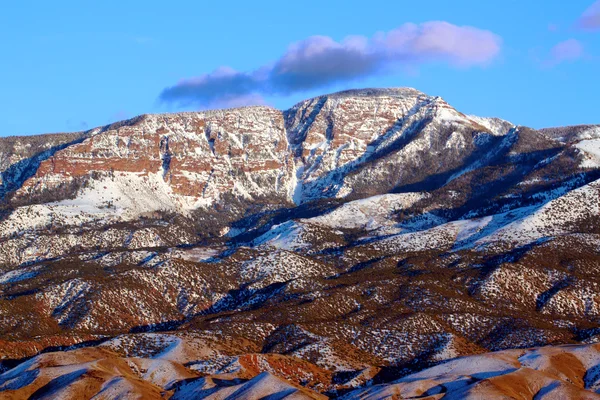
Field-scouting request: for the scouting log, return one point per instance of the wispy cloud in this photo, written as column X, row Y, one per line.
column 590, row 19
column 320, row 61
column 567, row 50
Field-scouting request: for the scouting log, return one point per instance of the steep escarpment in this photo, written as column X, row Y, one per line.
column 195, row 157
column 20, row 157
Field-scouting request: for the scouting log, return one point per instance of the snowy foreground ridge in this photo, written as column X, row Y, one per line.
column 363, row 244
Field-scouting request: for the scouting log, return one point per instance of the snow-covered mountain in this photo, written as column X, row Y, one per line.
column 367, row 233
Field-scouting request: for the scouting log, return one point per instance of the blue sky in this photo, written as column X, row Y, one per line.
column 70, row 66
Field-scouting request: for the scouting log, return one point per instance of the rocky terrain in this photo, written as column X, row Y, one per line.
column 349, row 246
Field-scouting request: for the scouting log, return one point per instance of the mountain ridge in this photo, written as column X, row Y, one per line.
column 363, row 92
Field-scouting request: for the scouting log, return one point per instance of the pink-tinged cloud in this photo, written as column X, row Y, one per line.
column 320, row 61
column 590, row 20
column 568, row 50
column 462, row 46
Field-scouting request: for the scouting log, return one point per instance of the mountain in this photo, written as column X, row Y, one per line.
column 350, row 241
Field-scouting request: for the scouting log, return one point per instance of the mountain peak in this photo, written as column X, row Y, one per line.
column 399, row 92
column 377, row 92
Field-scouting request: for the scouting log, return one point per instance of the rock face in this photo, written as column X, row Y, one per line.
column 360, row 143
column 194, row 158
column 346, row 242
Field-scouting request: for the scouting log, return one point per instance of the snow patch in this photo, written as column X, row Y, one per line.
column 20, row 274
column 285, row 236
column 591, row 149
column 371, row 213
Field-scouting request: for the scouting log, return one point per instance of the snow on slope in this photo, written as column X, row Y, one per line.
column 42, row 216
column 285, row 236
column 558, row 216
column 124, row 197
column 495, row 125
column 262, row 386
column 558, row 372
column 519, row 226
column 281, row 266
column 591, row 148
column 128, row 195
column 370, row 213
column 590, row 133
column 20, row 274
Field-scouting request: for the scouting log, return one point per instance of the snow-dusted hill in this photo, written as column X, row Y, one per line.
column 360, row 235
column 189, row 367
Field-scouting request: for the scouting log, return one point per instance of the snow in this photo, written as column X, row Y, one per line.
column 285, row 236
column 448, row 114
column 20, row 274
column 121, row 198
column 295, row 186
column 126, row 194
column 200, row 254
column 370, row 213
column 465, row 366
column 507, row 141
column 552, row 218
column 591, row 148
column 262, row 386
column 591, row 133
column 124, row 197
column 279, row 266
column 519, row 226
column 117, row 388
column 496, row 126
